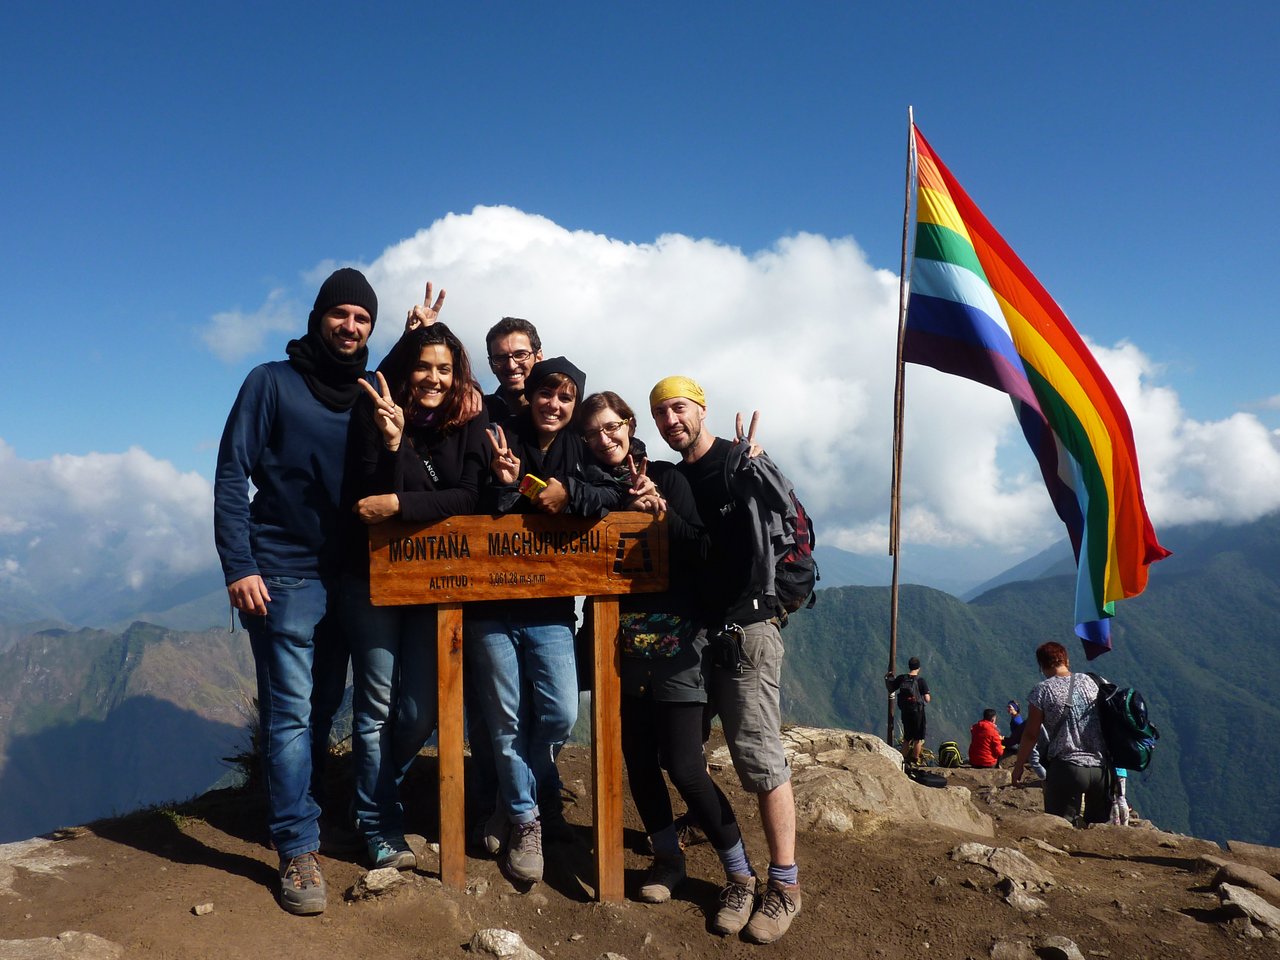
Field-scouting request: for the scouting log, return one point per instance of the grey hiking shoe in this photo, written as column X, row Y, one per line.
column 524, row 852
column 391, row 852
column 737, row 897
column 778, row 907
column 662, row 878
column 302, row 889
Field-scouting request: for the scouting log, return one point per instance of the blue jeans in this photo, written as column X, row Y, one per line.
column 393, row 703
column 301, row 660
column 526, row 683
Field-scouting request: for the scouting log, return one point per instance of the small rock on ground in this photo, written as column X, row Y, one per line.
column 377, row 882
column 503, row 944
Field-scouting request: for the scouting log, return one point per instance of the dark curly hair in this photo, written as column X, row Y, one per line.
column 404, row 356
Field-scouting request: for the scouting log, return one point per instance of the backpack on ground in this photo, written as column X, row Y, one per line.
column 949, row 754
column 1129, row 734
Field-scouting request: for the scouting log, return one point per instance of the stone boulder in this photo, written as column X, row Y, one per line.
column 71, row 945
column 849, row 781
column 1006, row 863
column 1256, row 855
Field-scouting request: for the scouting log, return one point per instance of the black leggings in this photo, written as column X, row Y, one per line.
column 658, row 736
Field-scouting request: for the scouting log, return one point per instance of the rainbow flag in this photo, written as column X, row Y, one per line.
column 976, row 311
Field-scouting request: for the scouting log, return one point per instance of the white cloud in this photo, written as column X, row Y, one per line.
column 234, row 334
column 805, row 332
column 126, row 519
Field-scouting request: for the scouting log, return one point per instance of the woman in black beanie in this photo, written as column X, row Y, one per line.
column 520, row 652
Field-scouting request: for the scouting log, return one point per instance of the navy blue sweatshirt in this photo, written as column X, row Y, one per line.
column 293, row 448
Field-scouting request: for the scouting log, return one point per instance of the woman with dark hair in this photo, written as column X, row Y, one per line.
column 1065, row 705
column 520, row 652
column 664, row 692
column 416, row 457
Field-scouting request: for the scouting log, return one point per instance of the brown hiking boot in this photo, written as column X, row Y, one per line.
column 778, row 907
column 737, row 897
column 302, row 889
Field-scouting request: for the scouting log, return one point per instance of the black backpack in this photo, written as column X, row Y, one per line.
column 909, row 696
column 1129, row 734
column 796, row 573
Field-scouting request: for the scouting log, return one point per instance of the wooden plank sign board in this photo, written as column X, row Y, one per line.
column 468, row 558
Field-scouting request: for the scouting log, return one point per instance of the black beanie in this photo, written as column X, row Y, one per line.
column 544, row 368
column 346, row 285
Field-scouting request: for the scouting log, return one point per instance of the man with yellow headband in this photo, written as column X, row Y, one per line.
column 742, row 499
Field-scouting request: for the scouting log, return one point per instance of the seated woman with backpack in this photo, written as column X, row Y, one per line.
column 1065, row 705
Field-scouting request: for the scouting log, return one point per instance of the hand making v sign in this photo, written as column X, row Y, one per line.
column 506, row 465
column 426, row 313
column 386, row 412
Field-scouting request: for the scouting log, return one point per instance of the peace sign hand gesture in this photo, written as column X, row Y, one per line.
column 753, row 449
column 505, row 465
column 644, row 492
column 424, row 314
column 386, row 412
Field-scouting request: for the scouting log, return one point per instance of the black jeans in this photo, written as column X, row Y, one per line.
column 658, row 736
column 1067, row 783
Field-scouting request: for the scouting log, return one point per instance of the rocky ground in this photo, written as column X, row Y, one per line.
column 890, row 869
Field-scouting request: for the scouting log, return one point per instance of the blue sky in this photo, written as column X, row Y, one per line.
column 167, row 166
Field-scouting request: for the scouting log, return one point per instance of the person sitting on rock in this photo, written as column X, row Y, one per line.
column 1017, row 722
column 985, row 745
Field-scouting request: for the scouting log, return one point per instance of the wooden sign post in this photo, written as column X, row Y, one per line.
column 467, row 558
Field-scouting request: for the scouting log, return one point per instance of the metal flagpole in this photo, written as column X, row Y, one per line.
column 899, row 391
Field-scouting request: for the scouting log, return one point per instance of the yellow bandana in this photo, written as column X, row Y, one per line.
column 670, row 387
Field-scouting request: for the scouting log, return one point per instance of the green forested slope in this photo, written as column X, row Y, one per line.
column 1200, row 644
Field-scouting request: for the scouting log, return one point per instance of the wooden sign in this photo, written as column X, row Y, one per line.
column 468, row 558
column 465, row 559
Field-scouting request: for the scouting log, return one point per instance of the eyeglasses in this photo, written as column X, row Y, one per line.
column 613, row 428
column 500, row 359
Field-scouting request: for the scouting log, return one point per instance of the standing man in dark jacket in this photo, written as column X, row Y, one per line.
column 913, row 693
column 282, row 551
column 743, row 500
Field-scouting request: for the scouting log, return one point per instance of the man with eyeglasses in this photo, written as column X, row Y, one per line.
column 514, row 347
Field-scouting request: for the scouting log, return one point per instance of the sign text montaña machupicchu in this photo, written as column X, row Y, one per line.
column 470, row 558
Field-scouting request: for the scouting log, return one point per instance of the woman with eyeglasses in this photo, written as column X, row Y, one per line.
column 415, row 456
column 520, row 652
column 663, row 644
